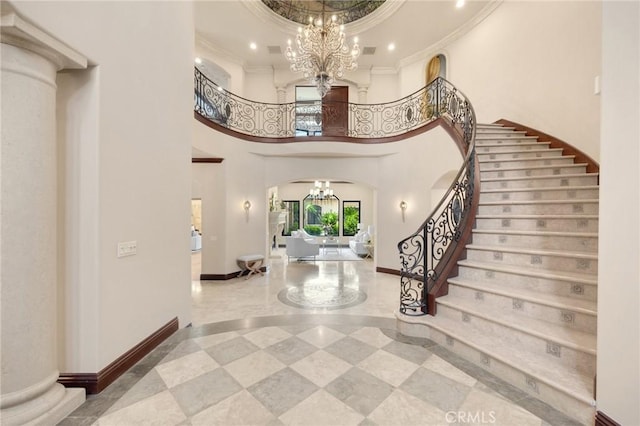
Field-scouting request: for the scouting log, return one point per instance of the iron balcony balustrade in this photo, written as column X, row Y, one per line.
column 429, row 254
column 289, row 122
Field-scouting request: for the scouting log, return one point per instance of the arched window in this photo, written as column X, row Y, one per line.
column 437, row 67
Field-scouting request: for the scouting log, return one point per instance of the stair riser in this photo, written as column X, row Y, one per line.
column 540, row 182
column 540, row 194
column 555, row 352
column 531, row 162
column 542, row 262
column 490, row 302
column 512, row 374
column 575, row 290
column 509, row 147
column 540, row 209
column 545, row 171
column 500, row 156
column 550, row 224
column 504, row 138
column 552, row 242
column 498, row 130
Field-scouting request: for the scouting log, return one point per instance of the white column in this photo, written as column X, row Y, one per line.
column 30, row 60
column 282, row 99
column 362, row 94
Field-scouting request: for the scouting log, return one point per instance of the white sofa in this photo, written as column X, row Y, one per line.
column 299, row 246
column 358, row 243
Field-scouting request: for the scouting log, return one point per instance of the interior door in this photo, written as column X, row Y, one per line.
column 335, row 112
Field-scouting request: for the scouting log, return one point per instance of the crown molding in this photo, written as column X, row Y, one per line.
column 464, row 29
column 222, row 53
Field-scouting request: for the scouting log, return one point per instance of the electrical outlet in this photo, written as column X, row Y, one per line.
column 128, row 248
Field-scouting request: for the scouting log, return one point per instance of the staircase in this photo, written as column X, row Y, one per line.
column 523, row 305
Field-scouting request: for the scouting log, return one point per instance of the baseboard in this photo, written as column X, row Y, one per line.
column 604, row 420
column 388, row 270
column 95, row 382
column 222, row 277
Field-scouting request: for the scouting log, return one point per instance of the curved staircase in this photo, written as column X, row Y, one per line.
column 523, row 305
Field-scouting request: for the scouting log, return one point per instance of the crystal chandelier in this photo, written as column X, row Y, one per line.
column 318, row 192
column 322, row 54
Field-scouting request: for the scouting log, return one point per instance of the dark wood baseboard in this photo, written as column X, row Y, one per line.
column 222, row 277
column 96, row 382
column 388, row 270
column 567, row 149
column 604, row 420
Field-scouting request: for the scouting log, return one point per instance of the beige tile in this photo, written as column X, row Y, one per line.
column 186, row 368
column 160, row 409
column 388, row 367
column 253, row 368
column 321, row 409
column 372, row 336
column 402, row 409
column 482, row 408
column 321, row 336
column 240, row 409
column 214, row 339
column 267, row 336
column 440, row 366
column 321, row 367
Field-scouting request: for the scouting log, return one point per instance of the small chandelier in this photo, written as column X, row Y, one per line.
column 322, row 54
column 319, row 192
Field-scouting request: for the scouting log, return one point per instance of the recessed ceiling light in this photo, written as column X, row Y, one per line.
column 459, row 3
column 391, row 47
column 253, row 46
column 198, row 60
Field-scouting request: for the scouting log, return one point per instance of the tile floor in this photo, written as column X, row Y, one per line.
column 250, row 359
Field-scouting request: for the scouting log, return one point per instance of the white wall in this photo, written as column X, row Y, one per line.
column 140, row 187
column 618, row 385
column 534, row 63
column 208, row 184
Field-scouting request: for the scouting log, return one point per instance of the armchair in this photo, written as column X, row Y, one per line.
column 301, row 247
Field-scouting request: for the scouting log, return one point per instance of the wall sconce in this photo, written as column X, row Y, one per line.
column 246, row 206
column 403, row 208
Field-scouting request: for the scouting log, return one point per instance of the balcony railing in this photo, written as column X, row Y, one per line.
column 291, row 120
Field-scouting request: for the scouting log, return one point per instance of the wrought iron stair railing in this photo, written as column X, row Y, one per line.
column 428, row 256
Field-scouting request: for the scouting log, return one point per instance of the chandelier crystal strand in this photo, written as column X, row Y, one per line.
column 322, row 54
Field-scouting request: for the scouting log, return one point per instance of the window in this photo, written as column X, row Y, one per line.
column 350, row 217
column 320, row 216
column 292, row 207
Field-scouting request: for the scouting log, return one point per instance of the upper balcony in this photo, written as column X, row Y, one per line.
column 329, row 119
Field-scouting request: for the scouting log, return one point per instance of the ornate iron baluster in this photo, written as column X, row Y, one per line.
column 421, row 253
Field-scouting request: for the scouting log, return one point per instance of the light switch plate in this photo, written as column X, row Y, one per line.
column 127, row 248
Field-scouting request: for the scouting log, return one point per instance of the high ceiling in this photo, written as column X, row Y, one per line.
column 413, row 26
